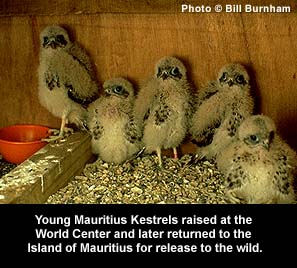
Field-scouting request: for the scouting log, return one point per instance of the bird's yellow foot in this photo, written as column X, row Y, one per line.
column 58, row 136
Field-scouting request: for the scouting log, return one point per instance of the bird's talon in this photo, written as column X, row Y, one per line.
column 54, row 139
column 53, row 131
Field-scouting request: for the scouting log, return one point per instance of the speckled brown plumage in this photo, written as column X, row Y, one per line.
column 163, row 106
column 66, row 77
column 115, row 134
column 221, row 107
column 259, row 167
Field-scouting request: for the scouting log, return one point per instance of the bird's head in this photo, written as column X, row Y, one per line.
column 119, row 87
column 54, row 37
column 257, row 131
column 170, row 68
column 234, row 74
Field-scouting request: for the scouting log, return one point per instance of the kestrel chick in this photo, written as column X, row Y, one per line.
column 66, row 78
column 163, row 107
column 221, row 107
column 115, row 134
column 259, row 167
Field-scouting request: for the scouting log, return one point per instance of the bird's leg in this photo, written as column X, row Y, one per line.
column 158, row 150
column 175, row 155
column 68, row 130
column 63, row 128
column 59, row 135
column 63, row 123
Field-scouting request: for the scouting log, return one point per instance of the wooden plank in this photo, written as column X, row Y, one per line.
column 46, row 171
column 78, row 7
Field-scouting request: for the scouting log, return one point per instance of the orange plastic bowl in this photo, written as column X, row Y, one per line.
column 19, row 142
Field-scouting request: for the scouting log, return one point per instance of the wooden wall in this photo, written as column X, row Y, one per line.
column 127, row 38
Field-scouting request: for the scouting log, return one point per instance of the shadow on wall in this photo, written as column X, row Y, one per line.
column 255, row 91
column 289, row 136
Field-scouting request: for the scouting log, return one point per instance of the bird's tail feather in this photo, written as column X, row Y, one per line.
column 79, row 117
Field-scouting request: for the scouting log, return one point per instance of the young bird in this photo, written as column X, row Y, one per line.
column 163, row 107
column 259, row 167
column 66, row 78
column 115, row 135
column 221, row 107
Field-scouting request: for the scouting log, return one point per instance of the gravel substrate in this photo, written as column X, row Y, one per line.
column 141, row 181
column 5, row 167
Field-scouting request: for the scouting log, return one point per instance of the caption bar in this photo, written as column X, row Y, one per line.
column 143, row 234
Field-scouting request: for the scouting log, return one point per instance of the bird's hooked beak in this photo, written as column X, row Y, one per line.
column 53, row 45
column 54, row 42
column 50, row 42
column 230, row 83
column 108, row 91
column 164, row 75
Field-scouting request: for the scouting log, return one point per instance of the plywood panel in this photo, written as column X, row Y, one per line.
column 120, row 44
column 18, row 61
column 130, row 44
column 272, row 46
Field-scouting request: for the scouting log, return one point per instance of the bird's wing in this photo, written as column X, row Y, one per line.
column 76, row 97
column 234, row 166
column 93, row 124
column 206, row 119
column 238, row 108
column 75, row 78
column 235, row 179
column 190, row 106
column 97, row 130
column 206, row 136
column 205, row 93
column 79, row 117
column 286, row 167
column 132, row 132
column 144, row 102
column 80, row 55
column 235, row 109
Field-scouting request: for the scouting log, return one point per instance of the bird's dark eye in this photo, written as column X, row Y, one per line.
column 45, row 40
column 224, row 77
column 240, row 79
column 254, row 139
column 159, row 72
column 118, row 90
column 61, row 40
column 174, row 71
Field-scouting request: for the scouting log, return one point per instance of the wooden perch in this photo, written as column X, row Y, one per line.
column 48, row 170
